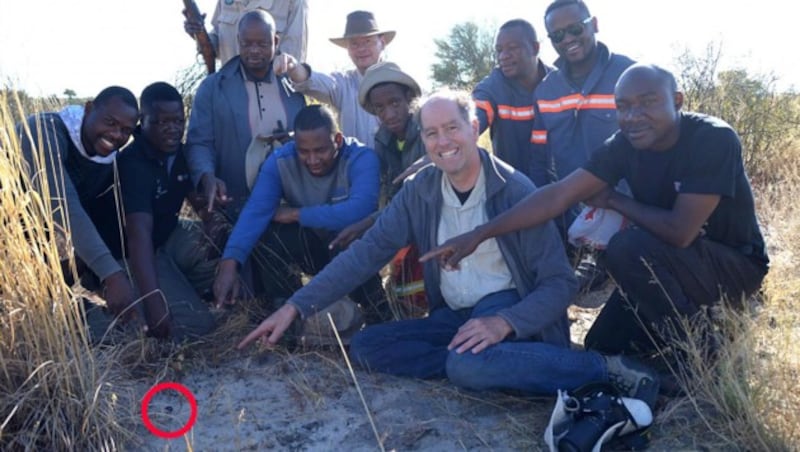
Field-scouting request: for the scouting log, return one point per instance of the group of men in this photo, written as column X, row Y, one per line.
column 330, row 201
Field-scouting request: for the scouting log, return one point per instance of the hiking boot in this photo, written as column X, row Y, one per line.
column 633, row 379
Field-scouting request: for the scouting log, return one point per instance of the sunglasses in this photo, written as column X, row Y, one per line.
column 575, row 29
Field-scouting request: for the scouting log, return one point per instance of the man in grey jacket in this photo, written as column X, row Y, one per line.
column 500, row 321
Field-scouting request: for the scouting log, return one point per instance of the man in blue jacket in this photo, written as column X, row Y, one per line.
column 234, row 110
column 505, row 97
column 498, row 323
column 237, row 112
column 306, row 192
column 575, row 110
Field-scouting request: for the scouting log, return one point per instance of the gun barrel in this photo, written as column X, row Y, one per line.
column 202, row 38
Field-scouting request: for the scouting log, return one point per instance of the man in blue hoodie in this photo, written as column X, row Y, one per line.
column 306, row 192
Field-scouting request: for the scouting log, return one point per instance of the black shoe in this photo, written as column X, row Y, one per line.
column 633, row 379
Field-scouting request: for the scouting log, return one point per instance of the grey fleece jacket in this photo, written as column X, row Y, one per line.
column 535, row 256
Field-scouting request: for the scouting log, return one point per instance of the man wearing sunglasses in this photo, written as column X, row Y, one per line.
column 574, row 111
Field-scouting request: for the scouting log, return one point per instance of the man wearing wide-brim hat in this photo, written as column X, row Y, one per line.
column 365, row 42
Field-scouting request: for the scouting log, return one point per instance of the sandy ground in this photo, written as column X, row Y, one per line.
column 308, row 401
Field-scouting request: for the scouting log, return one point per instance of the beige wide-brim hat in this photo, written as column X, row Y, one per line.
column 362, row 23
column 384, row 72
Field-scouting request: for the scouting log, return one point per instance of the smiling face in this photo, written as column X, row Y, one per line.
column 516, row 55
column 564, row 23
column 449, row 138
column 163, row 124
column 107, row 127
column 648, row 109
column 317, row 149
column 365, row 51
column 391, row 104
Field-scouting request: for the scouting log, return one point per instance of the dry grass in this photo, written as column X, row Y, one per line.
column 747, row 399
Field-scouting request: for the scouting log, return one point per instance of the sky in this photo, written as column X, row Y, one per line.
column 48, row 46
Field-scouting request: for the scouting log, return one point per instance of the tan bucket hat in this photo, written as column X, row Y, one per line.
column 384, row 72
column 362, row 23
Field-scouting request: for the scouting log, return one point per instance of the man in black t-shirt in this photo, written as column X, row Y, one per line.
column 695, row 225
column 169, row 267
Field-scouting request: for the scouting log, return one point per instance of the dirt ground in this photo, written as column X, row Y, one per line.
column 308, row 401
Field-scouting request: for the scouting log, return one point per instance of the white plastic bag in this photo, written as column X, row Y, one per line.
column 594, row 227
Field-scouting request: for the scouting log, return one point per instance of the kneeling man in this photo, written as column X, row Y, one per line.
column 306, row 192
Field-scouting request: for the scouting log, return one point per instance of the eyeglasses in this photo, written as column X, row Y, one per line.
column 575, row 29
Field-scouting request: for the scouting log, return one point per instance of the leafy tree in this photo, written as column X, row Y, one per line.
column 70, row 95
column 465, row 57
column 765, row 119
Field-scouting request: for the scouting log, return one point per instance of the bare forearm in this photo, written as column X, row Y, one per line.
column 664, row 224
column 143, row 265
column 536, row 208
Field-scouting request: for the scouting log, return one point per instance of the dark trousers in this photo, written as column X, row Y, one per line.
column 659, row 284
column 285, row 250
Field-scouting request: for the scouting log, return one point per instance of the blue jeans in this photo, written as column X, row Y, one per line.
column 418, row 348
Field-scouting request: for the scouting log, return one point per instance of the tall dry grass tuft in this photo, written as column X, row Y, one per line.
column 747, row 399
column 54, row 393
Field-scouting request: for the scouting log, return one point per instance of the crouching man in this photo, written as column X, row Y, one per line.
column 305, row 193
column 500, row 322
column 168, row 263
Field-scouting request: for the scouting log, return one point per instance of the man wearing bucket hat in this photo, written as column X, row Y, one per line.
column 365, row 43
column 388, row 93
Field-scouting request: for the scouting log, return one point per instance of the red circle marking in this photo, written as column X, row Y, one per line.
column 175, row 387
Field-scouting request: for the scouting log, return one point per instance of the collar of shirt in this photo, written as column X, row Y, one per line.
column 477, row 196
column 248, row 77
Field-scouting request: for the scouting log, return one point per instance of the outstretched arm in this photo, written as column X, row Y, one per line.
column 541, row 205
